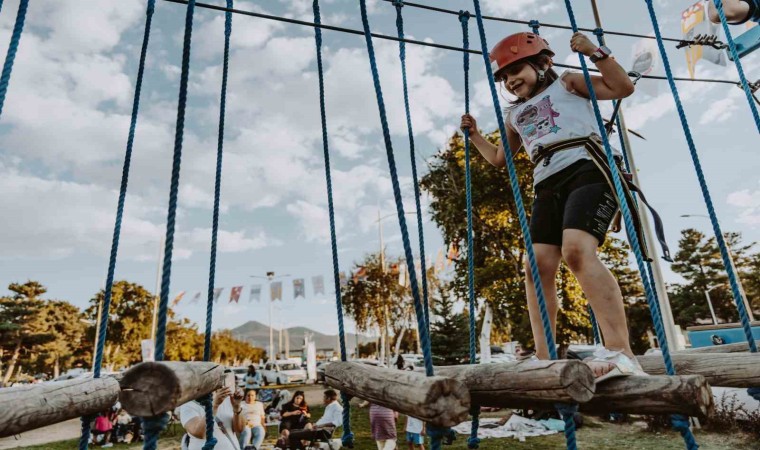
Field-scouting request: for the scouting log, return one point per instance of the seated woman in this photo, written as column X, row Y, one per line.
column 253, row 412
column 295, row 414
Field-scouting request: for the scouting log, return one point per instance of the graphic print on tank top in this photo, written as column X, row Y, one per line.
column 537, row 120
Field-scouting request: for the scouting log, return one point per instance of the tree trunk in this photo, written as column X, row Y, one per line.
column 719, row 369
column 12, row 363
column 56, row 366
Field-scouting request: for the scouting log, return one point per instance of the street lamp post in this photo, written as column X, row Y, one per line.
column 270, row 277
column 732, row 268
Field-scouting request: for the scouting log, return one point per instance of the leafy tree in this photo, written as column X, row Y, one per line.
column 20, row 327
column 64, row 321
column 449, row 333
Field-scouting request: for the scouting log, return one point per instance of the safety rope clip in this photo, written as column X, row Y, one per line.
column 708, row 40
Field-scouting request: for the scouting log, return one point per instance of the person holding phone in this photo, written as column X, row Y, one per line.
column 296, row 414
column 228, row 419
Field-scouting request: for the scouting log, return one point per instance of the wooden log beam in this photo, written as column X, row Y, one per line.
column 725, row 348
column 28, row 407
column 688, row 394
column 719, row 369
column 152, row 388
column 525, row 383
column 438, row 400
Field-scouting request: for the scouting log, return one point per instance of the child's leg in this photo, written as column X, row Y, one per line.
column 579, row 249
column 547, row 258
column 735, row 10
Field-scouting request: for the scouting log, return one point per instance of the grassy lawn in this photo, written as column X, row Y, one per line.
column 593, row 436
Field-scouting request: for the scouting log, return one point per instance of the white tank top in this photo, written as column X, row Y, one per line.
column 553, row 115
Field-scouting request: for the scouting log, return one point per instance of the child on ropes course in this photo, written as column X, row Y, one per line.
column 553, row 120
column 737, row 11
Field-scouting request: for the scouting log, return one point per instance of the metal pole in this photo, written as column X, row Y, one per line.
column 97, row 333
column 159, row 273
column 739, row 281
column 712, row 311
column 659, row 282
column 270, row 276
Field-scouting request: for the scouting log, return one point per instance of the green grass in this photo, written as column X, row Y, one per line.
column 593, row 436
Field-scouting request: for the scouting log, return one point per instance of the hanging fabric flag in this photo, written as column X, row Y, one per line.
column 646, row 57
column 196, row 298
column 299, row 288
column 235, row 294
column 343, row 280
column 318, row 284
column 177, row 299
column 453, row 254
column 276, row 290
column 694, row 21
column 402, row 278
column 217, row 293
column 439, row 262
column 393, row 268
column 255, row 293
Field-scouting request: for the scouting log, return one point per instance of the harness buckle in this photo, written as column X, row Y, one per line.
column 544, row 154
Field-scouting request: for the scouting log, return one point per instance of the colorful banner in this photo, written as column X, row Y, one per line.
column 196, row 298
column 453, row 253
column 299, row 288
column 255, row 293
column 217, row 293
column 439, row 262
column 235, row 294
column 177, row 299
column 694, row 21
column 318, row 284
column 275, row 290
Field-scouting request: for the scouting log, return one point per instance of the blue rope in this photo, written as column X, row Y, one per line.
column 1, row 5
column 402, row 56
column 418, row 307
column 208, row 402
column 10, row 57
column 744, row 318
column 152, row 428
column 520, row 206
column 738, row 63
column 632, row 236
column 152, row 431
column 534, row 25
column 108, row 291
column 348, row 436
column 464, row 17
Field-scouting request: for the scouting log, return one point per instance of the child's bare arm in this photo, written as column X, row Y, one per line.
column 735, row 10
column 494, row 154
column 614, row 82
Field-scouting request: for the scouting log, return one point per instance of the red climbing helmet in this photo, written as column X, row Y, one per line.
column 515, row 47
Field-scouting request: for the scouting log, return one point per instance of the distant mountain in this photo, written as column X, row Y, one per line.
column 257, row 334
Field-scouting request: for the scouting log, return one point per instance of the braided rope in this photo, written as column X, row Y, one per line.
column 1, row 5
column 418, row 307
column 730, row 270
column 108, row 291
column 520, row 206
column 152, row 428
column 10, row 57
column 632, row 236
column 739, row 68
column 415, row 179
column 152, row 431
column 348, row 437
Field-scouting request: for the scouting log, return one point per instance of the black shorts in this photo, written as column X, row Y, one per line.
column 578, row 197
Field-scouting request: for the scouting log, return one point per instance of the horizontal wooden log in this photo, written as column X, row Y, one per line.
column 725, row 348
column 29, row 407
column 688, row 394
column 525, row 383
column 719, row 369
column 438, row 400
column 152, row 388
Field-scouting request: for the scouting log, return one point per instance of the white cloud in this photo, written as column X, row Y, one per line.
column 519, row 8
column 748, row 201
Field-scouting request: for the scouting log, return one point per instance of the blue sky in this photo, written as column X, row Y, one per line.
column 65, row 121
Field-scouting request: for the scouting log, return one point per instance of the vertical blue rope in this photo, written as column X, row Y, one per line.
column 402, row 56
column 738, row 63
column 348, row 437
column 464, row 17
column 153, row 424
column 565, row 410
column 744, row 318
column 1, row 5
column 208, row 401
column 435, row 434
column 10, row 57
column 108, row 291
column 679, row 422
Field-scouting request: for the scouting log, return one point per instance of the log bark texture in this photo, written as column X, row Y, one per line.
column 725, row 348
column 152, row 388
column 438, row 400
column 29, row 407
column 525, row 383
column 687, row 394
column 719, row 369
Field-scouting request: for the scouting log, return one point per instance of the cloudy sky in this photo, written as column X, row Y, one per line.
column 64, row 127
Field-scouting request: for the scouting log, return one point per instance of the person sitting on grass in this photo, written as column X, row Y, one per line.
column 323, row 429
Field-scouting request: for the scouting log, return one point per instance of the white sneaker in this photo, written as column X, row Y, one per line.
column 624, row 366
column 108, row 445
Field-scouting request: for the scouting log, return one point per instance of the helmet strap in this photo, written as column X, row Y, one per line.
column 540, row 78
